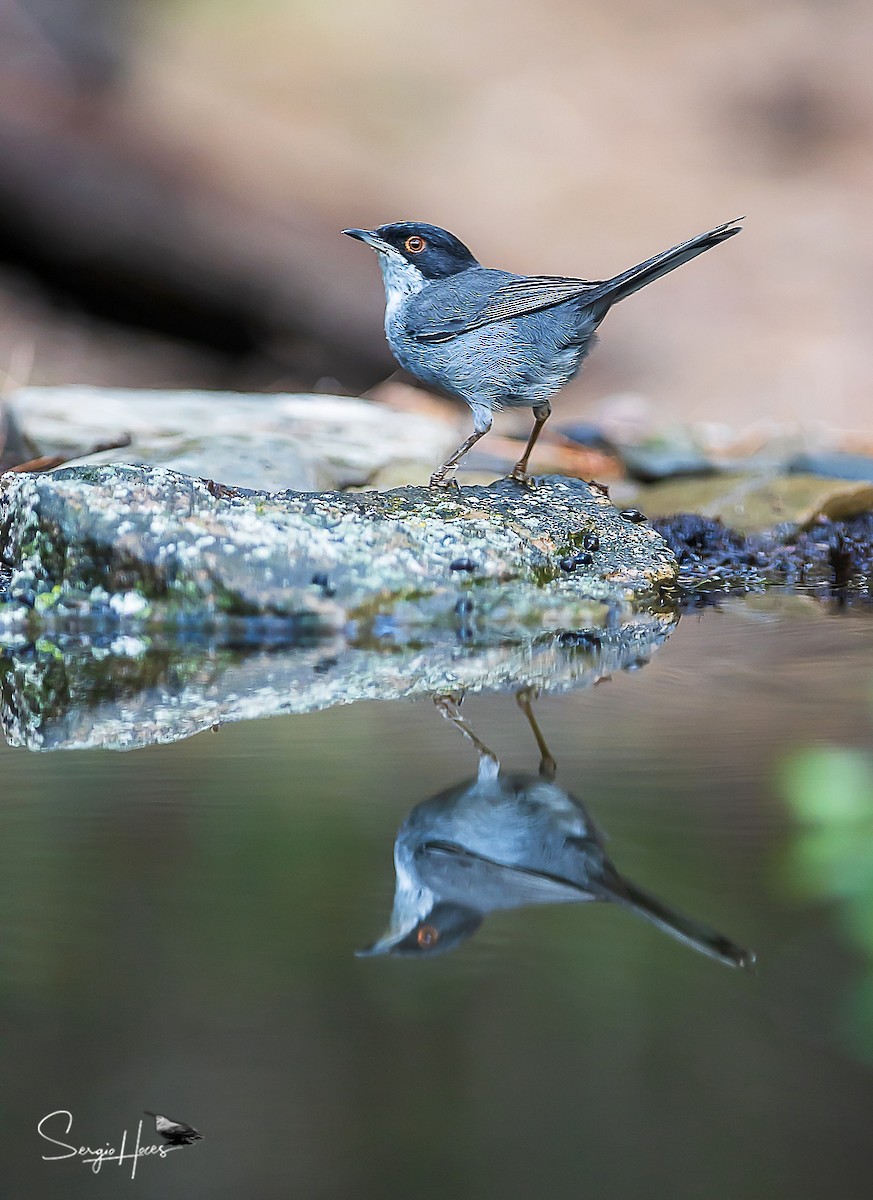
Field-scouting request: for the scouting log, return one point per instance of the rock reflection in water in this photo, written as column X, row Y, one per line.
column 122, row 690
column 506, row 841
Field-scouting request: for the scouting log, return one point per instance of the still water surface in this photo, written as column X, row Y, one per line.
column 180, row 926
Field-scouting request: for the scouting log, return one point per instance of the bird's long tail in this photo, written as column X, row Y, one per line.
column 693, row 933
column 630, row 281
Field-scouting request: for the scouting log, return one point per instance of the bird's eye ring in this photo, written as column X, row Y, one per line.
column 415, row 244
column 427, row 936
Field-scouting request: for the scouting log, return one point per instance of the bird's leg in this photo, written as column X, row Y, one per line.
column 489, row 766
column 481, row 425
column 524, row 698
column 541, row 414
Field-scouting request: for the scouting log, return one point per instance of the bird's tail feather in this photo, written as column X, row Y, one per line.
column 630, row 281
column 693, row 933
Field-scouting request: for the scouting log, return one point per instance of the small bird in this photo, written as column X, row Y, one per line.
column 503, row 842
column 494, row 339
column 177, row 1133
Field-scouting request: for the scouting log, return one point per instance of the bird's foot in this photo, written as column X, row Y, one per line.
column 519, row 475
column 444, row 480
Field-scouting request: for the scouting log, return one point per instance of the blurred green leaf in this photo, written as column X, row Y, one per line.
column 830, row 791
column 829, row 784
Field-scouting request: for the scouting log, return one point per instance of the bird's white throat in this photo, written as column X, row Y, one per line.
column 401, row 278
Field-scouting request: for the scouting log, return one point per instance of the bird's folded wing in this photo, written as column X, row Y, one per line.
column 529, row 885
column 514, row 298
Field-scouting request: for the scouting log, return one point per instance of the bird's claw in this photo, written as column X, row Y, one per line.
column 442, row 481
column 520, row 476
column 448, row 705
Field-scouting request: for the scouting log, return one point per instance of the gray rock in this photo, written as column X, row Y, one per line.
column 13, row 446
column 663, row 456
column 150, row 544
column 125, row 691
column 268, row 442
column 654, row 461
column 834, row 465
column 247, row 460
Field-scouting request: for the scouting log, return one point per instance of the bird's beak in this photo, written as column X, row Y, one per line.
column 383, row 946
column 402, row 923
column 391, row 938
column 372, row 239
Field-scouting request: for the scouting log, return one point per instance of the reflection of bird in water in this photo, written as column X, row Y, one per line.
column 506, row 841
column 177, row 1133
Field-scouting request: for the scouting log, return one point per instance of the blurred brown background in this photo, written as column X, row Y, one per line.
column 174, row 175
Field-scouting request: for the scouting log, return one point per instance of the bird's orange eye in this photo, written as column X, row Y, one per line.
column 415, row 244
column 427, row 935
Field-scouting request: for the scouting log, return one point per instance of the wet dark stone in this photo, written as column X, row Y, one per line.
column 591, row 542
column 567, row 564
column 322, row 579
column 633, row 515
column 583, row 559
column 831, row 557
column 695, row 539
column 580, row 637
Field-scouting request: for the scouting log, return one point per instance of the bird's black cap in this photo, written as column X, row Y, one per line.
column 434, row 251
column 444, row 928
